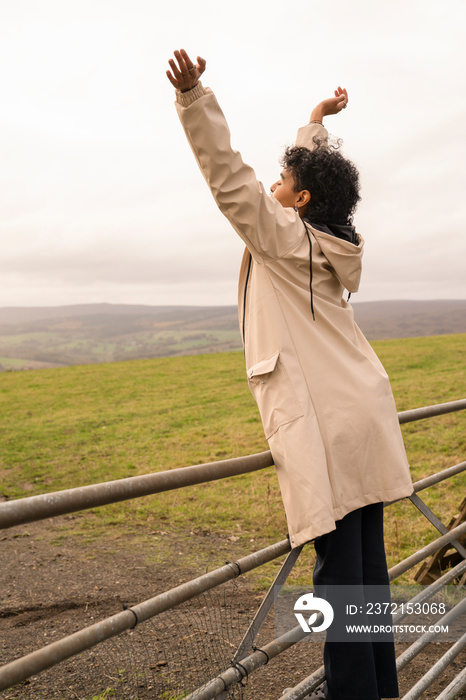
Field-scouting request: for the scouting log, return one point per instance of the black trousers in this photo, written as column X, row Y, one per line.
column 351, row 568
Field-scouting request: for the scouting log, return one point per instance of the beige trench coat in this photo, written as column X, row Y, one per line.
column 324, row 397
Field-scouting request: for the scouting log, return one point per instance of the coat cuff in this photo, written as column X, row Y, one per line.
column 187, row 98
column 312, row 136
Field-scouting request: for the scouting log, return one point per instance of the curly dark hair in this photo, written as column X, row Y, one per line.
column 332, row 180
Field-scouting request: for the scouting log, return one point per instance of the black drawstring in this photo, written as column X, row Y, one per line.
column 310, row 272
column 244, row 300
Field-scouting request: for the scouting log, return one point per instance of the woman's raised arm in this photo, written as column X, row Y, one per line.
column 268, row 229
column 332, row 105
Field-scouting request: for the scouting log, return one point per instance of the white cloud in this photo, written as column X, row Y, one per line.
column 100, row 192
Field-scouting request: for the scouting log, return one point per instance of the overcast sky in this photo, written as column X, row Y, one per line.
column 101, row 200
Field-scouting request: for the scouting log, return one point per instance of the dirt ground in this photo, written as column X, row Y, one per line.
column 52, row 586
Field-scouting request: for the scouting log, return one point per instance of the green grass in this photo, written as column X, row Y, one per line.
column 11, row 362
column 72, row 426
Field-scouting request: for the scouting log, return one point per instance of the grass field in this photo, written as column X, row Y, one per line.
column 72, row 426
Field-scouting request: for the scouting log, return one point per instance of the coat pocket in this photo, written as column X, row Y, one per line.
column 274, row 394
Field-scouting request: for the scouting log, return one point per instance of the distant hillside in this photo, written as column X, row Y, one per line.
column 68, row 335
column 36, row 337
column 410, row 319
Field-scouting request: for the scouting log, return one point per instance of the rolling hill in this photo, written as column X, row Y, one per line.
column 38, row 337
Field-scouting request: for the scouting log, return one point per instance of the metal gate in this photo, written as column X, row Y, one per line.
column 247, row 657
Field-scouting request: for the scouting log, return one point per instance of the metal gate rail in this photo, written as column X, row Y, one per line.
column 48, row 505
column 38, row 507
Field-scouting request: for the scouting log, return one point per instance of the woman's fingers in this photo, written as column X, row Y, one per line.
column 201, row 64
column 173, row 80
column 341, row 96
column 185, row 75
column 342, row 92
column 176, row 72
column 190, row 66
column 182, row 63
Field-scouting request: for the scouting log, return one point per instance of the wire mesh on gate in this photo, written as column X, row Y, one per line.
column 166, row 657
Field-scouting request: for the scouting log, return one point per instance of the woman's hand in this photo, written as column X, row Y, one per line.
column 186, row 75
column 331, row 106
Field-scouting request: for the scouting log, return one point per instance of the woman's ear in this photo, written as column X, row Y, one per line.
column 303, row 201
column 304, row 198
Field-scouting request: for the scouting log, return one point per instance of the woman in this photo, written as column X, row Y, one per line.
column 325, row 400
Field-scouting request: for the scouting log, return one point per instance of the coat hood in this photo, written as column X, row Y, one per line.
column 343, row 248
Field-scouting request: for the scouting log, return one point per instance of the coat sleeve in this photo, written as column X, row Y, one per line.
column 312, row 136
column 268, row 229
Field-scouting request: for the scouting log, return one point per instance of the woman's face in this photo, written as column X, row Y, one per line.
column 283, row 190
